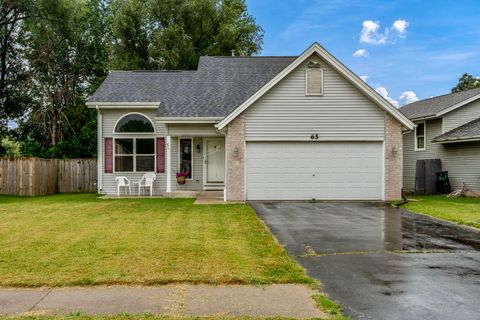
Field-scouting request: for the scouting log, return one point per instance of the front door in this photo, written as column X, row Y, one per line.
column 214, row 161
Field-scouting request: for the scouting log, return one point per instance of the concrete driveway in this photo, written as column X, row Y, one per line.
column 379, row 262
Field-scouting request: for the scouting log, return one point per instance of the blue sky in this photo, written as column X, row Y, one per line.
column 417, row 47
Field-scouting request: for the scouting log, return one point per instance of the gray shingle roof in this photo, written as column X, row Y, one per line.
column 467, row 131
column 430, row 107
column 215, row 89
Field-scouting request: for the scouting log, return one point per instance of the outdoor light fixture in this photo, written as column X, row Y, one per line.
column 198, row 148
column 394, row 151
column 235, row 151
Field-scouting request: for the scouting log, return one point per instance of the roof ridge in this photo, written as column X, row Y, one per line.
column 248, row 57
column 440, row 96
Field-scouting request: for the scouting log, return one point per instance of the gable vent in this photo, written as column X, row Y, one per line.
column 313, row 79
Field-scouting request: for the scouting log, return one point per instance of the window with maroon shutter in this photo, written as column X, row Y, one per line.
column 160, row 155
column 108, row 155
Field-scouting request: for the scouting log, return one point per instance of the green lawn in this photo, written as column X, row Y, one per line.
column 464, row 211
column 152, row 317
column 65, row 240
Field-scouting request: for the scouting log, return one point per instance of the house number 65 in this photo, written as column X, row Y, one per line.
column 314, row 137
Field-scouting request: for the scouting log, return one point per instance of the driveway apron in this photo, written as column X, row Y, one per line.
column 379, row 262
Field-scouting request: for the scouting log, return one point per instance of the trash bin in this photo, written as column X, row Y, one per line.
column 442, row 182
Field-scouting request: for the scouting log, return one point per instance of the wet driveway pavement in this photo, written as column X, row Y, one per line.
column 379, row 262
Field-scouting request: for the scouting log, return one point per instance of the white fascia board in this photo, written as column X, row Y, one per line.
column 458, row 105
column 465, row 139
column 123, row 105
column 420, row 119
column 339, row 67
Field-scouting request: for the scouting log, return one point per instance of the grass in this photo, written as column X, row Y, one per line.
column 140, row 317
column 465, row 211
column 66, row 240
column 331, row 308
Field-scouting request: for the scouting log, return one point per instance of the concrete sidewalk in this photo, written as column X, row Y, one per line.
column 287, row 300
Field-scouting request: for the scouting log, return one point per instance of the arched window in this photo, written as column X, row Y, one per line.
column 134, row 123
column 135, row 152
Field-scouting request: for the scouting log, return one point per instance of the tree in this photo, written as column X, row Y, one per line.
column 67, row 56
column 14, row 96
column 466, row 82
column 173, row 34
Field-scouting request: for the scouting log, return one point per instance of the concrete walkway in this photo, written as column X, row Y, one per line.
column 287, row 300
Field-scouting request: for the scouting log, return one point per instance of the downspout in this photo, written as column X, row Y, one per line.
column 100, row 149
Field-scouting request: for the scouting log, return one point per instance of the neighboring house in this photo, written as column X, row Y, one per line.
column 448, row 128
column 259, row 128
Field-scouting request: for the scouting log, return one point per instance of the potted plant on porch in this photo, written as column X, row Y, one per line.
column 183, row 174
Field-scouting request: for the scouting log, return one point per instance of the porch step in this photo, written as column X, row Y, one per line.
column 211, row 194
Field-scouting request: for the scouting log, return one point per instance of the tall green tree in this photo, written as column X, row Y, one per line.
column 466, row 82
column 14, row 96
column 67, row 56
column 173, row 34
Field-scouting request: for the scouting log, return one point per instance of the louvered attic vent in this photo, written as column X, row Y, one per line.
column 313, row 79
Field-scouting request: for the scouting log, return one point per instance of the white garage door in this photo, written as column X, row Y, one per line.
column 320, row 170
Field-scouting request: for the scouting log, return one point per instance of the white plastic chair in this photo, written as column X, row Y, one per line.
column 123, row 182
column 147, row 182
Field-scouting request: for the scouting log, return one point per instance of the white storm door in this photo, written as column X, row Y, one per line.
column 215, row 161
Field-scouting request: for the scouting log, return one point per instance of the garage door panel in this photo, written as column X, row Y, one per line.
column 320, row 170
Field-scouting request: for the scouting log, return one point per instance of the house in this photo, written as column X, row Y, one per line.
column 259, row 128
column 448, row 128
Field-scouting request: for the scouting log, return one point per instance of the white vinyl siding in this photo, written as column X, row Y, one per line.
column 343, row 113
column 461, row 160
column 199, row 130
column 319, row 170
column 109, row 119
column 461, row 116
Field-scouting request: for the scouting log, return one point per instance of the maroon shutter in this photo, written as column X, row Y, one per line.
column 160, row 155
column 108, row 155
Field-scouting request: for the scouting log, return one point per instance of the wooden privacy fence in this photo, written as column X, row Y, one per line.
column 38, row 177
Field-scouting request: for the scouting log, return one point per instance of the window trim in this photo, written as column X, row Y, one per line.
column 134, row 133
column 178, row 155
column 306, row 83
column 134, row 154
column 424, row 137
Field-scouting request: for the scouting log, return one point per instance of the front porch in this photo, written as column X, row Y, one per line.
column 196, row 153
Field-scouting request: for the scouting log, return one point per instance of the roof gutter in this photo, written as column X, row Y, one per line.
column 123, row 105
column 188, row 119
column 458, row 140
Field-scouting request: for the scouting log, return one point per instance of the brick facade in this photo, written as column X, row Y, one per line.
column 236, row 159
column 393, row 158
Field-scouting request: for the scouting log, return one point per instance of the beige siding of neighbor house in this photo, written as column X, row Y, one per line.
column 342, row 113
column 461, row 116
column 109, row 119
column 461, row 160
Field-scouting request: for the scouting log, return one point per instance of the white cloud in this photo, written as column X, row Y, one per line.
column 371, row 33
column 408, row 97
column 384, row 93
column 400, row 26
column 364, row 78
column 360, row 53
